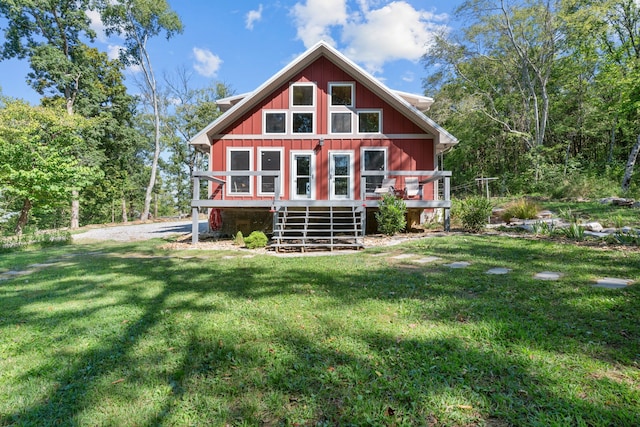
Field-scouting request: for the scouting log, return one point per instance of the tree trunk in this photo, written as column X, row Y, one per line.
column 24, row 216
column 628, row 171
column 124, row 210
column 75, row 209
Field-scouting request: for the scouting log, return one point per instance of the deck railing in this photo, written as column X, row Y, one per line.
column 274, row 200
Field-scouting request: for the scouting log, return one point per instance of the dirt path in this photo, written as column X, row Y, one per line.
column 136, row 232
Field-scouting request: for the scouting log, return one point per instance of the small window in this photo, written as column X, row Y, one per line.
column 369, row 121
column 340, row 122
column 239, row 160
column 302, row 95
column 341, row 94
column 275, row 122
column 302, row 123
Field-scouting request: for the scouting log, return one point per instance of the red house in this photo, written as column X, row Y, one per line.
column 308, row 155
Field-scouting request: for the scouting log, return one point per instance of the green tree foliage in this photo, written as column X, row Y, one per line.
column 539, row 91
column 39, row 165
column 137, row 21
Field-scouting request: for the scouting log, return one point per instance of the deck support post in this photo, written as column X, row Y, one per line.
column 195, row 212
column 447, row 197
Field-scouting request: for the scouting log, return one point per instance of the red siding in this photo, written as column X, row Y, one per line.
column 403, row 154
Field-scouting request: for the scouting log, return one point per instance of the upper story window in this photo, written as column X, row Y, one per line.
column 239, row 159
column 302, row 122
column 369, row 121
column 275, row 122
column 341, row 94
column 303, row 95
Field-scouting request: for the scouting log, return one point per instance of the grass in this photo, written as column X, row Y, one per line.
column 608, row 215
column 135, row 335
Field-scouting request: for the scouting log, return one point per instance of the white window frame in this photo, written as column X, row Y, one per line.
column 369, row 111
column 264, row 121
column 313, row 122
column 342, row 109
column 352, row 175
column 230, row 191
column 353, row 94
column 281, row 177
column 293, row 176
column 299, row 84
column 363, row 171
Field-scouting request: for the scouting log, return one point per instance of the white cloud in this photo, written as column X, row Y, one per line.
column 315, row 18
column 207, row 64
column 374, row 33
column 113, row 51
column 97, row 25
column 253, row 16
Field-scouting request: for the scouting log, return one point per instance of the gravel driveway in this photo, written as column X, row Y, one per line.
column 134, row 232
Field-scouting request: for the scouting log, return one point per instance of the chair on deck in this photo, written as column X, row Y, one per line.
column 387, row 187
column 412, row 187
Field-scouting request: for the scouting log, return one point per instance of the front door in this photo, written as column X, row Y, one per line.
column 341, row 175
column 303, row 169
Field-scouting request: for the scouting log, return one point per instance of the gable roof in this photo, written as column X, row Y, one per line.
column 410, row 105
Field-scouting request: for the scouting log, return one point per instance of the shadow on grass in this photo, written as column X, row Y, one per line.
column 148, row 340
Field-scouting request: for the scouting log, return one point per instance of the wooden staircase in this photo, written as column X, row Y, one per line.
column 303, row 228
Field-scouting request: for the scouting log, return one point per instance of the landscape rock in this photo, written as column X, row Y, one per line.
column 593, row 226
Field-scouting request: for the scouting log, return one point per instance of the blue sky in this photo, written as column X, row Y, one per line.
column 243, row 43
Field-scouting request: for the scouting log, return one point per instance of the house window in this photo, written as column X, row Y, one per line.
column 302, row 122
column 369, row 121
column 275, row 122
column 303, row 95
column 239, row 159
column 373, row 159
column 341, row 122
column 270, row 160
column 341, row 94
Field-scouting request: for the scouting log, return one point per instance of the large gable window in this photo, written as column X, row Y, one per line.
column 302, row 122
column 303, row 94
column 341, row 94
column 341, row 122
column 275, row 122
column 239, row 159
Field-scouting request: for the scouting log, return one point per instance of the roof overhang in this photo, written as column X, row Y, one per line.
column 410, row 105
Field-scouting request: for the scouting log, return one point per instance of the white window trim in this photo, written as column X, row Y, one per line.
column 292, row 85
column 230, row 191
column 264, row 121
column 292, row 174
column 313, row 122
column 281, row 178
column 379, row 111
column 353, row 94
column 351, row 195
column 351, row 115
column 371, row 148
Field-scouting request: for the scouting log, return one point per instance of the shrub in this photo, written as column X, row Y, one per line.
column 574, row 231
column 391, row 215
column 522, row 209
column 474, row 213
column 239, row 239
column 257, row 239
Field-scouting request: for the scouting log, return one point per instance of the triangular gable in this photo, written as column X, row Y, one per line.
column 407, row 104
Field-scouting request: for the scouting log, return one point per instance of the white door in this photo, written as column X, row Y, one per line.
column 303, row 167
column 341, row 175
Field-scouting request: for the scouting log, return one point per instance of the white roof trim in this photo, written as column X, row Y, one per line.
column 410, row 105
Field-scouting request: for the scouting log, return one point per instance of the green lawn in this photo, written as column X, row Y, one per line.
column 131, row 334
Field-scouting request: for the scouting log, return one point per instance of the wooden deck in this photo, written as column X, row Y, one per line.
column 277, row 204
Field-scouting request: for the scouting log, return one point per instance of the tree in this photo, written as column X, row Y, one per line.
column 38, row 155
column 193, row 110
column 48, row 33
column 137, row 21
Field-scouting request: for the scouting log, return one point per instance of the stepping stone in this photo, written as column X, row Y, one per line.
column 403, row 256
column 228, row 257
column 612, row 283
column 458, row 264
column 380, row 254
column 427, row 259
column 498, row 270
column 248, row 256
column 547, row 275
